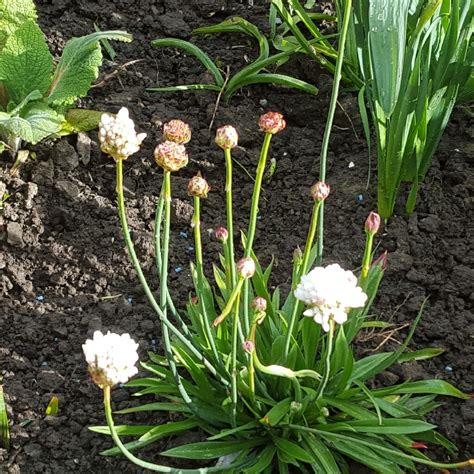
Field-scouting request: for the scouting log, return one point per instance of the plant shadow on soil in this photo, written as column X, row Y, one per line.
column 64, row 272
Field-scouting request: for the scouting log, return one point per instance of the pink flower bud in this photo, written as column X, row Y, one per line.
column 248, row 346
column 259, row 304
column 418, row 445
column 198, row 187
column 382, row 261
column 221, row 234
column 320, row 191
column 177, row 131
column 272, row 122
column 194, row 300
column 227, row 137
column 246, row 267
column 171, row 156
column 372, row 223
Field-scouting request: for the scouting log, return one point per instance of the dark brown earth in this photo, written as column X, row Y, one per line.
column 64, row 271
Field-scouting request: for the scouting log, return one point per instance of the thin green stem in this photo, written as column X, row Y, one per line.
column 235, row 339
column 367, row 260
column 327, row 366
column 256, row 194
column 378, row 447
column 200, row 279
column 330, row 118
column 230, row 219
column 146, row 287
column 302, row 271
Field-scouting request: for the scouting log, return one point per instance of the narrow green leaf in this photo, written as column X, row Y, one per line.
column 211, row 449
column 156, row 406
column 186, row 87
column 388, row 426
column 190, row 48
column 264, row 460
column 122, row 430
column 292, row 449
column 4, row 427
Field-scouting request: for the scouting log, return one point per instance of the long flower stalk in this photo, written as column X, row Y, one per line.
column 303, row 268
column 144, row 283
column 229, row 212
column 327, row 365
column 235, row 334
column 330, row 118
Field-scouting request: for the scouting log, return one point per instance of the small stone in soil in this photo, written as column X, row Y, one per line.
column 360, row 198
column 15, row 234
column 39, row 297
column 178, row 269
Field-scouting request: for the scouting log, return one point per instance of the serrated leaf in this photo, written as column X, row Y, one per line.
column 80, row 120
column 43, row 120
column 26, row 64
column 79, row 66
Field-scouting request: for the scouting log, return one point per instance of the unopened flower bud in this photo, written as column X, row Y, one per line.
column 248, row 346
column 272, row 122
column 297, row 255
column 177, row 131
column 221, row 234
column 246, row 267
column 372, row 224
column 117, row 136
column 198, row 187
column 227, row 137
column 259, row 304
column 295, row 407
column 194, row 300
column 171, row 156
column 320, row 191
column 382, row 261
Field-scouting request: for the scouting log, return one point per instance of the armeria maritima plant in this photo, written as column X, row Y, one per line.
column 272, row 381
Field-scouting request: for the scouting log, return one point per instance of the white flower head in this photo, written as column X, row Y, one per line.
column 117, row 135
column 330, row 292
column 111, row 358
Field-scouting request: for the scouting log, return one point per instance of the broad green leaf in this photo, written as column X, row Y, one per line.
column 14, row 13
column 387, row 35
column 292, row 449
column 80, row 120
column 37, row 122
column 26, row 64
column 79, row 66
column 212, row 449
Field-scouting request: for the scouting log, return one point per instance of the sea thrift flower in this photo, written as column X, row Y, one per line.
column 111, row 358
column 330, row 292
column 372, row 224
column 221, row 234
column 272, row 122
column 117, row 136
column 227, row 137
column 198, row 187
column 259, row 304
column 320, row 191
column 171, row 156
column 177, row 131
column 246, row 267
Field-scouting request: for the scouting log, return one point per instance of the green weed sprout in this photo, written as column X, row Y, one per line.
column 270, row 379
column 415, row 58
column 251, row 74
column 37, row 97
column 4, row 426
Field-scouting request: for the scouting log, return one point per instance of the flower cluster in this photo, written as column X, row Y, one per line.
column 272, row 122
column 177, row 131
column 330, row 292
column 111, row 358
column 117, row 135
column 226, row 137
column 171, row 154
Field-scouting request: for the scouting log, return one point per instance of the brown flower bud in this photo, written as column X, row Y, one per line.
column 372, row 224
column 198, row 187
column 227, row 137
column 272, row 122
column 177, row 131
column 221, row 234
column 320, row 191
column 246, row 267
column 171, row 156
column 259, row 304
